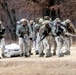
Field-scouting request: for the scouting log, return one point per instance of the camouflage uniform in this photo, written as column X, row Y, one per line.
column 38, row 46
column 31, row 35
column 23, row 34
column 47, row 41
column 67, row 39
column 36, row 39
column 60, row 31
column 2, row 40
column 53, row 25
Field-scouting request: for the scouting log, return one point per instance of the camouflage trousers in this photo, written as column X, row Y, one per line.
column 54, row 45
column 59, row 42
column 47, row 42
column 67, row 43
column 2, row 47
column 24, row 45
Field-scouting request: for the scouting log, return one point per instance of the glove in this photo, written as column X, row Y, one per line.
column 58, row 33
column 2, row 31
column 53, row 35
column 31, row 39
column 1, row 37
column 21, row 36
column 45, row 33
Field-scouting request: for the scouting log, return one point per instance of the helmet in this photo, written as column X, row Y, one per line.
column 46, row 22
column 57, row 20
column 40, row 20
column 46, row 18
column 67, row 21
column 31, row 21
column 22, row 20
column 50, row 19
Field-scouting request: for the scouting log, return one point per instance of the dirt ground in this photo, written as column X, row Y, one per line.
column 39, row 66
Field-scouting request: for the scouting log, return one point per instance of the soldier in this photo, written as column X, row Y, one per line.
column 41, row 43
column 2, row 40
column 37, row 46
column 36, row 39
column 31, row 35
column 19, row 23
column 60, row 31
column 23, row 34
column 46, row 31
column 53, row 23
column 67, row 39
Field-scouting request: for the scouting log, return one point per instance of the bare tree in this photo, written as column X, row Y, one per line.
column 12, row 18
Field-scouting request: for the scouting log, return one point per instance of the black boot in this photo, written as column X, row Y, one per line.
column 26, row 54
column 67, row 53
column 21, row 55
column 61, row 55
column 49, row 55
column 30, row 52
column 37, row 52
column 54, row 53
column 43, row 53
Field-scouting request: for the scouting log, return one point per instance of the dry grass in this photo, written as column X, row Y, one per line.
column 39, row 66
